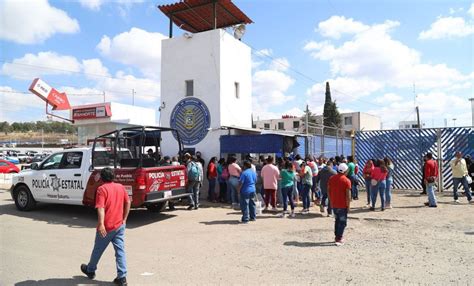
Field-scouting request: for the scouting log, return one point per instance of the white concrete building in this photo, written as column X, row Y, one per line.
column 353, row 120
column 206, row 83
column 96, row 119
column 409, row 124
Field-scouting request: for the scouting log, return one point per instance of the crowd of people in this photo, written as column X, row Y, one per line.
column 288, row 182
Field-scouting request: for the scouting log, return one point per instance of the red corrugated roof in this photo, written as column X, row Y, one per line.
column 198, row 15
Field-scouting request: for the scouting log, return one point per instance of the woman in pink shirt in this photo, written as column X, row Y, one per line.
column 233, row 182
column 270, row 175
column 378, row 176
column 368, row 168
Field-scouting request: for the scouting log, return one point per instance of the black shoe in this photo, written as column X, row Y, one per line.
column 120, row 281
column 423, row 193
column 196, row 207
column 372, row 209
column 91, row 275
column 382, row 209
column 434, row 206
column 190, row 208
column 427, row 204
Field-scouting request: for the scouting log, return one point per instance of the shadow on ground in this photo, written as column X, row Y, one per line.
column 80, row 216
column 309, row 244
column 76, row 280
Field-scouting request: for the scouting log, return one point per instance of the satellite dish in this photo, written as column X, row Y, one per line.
column 239, row 31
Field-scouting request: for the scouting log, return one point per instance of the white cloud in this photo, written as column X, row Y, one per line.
column 373, row 55
column 471, row 10
column 336, row 26
column 137, row 48
column 44, row 63
column 33, row 21
column 270, row 84
column 448, row 27
column 12, row 101
column 388, row 98
column 93, row 68
column 95, row 5
column 343, row 90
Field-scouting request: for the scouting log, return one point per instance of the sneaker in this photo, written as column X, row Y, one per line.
column 372, row 209
column 456, row 201
column 91, row 275
column 196, row 207
column 282, row 215
column 388, row 207
column 253, row 219
column 339, row 241
column 382, row 209
column 190, row 208
column 321, row 208
column 121, row 281
column 329, row 215
column 292, row 215
column 243, row 221
column 274, row 209
column 433, row 206
column 367, row 205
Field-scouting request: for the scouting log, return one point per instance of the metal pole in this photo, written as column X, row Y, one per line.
column 440, row 161
column 214, row 12
column 171, row 26
column 103, row 94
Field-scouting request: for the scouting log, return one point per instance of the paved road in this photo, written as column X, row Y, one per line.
column 409, row 244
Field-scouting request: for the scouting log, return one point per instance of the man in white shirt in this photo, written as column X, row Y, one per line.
column 459, row 168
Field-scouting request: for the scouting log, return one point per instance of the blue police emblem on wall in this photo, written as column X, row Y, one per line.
column 192, row 119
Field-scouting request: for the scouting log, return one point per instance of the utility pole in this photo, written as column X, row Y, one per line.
column 133, row 96
column 103, row 94
column 307, row 120
column 418, row 117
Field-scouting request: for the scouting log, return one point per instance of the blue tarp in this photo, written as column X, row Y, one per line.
column 265, row 143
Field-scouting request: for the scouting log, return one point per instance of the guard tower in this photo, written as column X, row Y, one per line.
column 206, row 79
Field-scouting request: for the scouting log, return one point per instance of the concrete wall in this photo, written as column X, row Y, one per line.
column 214, row 60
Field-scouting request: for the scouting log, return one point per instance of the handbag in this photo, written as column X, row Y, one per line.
column 374, row 182
column 468, row 179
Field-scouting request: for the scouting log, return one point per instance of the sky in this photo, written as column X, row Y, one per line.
column 379, row 57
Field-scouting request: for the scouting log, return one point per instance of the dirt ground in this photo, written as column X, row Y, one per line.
column 409, row 244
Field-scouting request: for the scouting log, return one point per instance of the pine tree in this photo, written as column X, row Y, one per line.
column 332, row 117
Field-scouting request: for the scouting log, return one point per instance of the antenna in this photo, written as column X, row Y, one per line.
column 239, row 31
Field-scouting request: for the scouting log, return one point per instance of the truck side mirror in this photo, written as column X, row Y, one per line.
column 91, row 168
column 34, row 166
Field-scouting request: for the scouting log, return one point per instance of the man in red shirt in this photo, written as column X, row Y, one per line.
column 113, row 205
column 431, row 176
column 339, row 191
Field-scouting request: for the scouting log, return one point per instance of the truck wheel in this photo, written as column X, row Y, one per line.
column 23, row 199
column 156, row 208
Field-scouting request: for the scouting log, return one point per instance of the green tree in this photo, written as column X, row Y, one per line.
column 5, row 127
column 332, row 117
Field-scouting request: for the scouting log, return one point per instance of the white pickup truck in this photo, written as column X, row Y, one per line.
column 72, row 176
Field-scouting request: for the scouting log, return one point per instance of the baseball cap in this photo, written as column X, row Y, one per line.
column 342, row 168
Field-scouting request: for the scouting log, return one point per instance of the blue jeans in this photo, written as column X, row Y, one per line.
column 117, row 238
column 212, row 189
column 315, row 189
column 341, row 222
column 193, row 187
column 463, row 182
column 388, row 191
column 354, row 191
column 287, row 193
column 367, row 189
column 306, row 196
column 325, row 198
column 247, row 206
column 233, row 183
column 378, row 189
column 431, row 194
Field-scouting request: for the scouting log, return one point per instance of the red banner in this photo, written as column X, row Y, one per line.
column 91, row 112
column 53, row 97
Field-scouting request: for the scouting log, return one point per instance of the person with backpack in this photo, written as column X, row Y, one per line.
column 195, row 175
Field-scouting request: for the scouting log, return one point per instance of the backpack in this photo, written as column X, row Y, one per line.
column 225, row 174
column 193, row 172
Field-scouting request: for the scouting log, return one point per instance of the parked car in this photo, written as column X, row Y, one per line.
column 10, row 159
column 7, row 167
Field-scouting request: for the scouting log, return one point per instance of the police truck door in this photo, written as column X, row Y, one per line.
column 71, row 175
